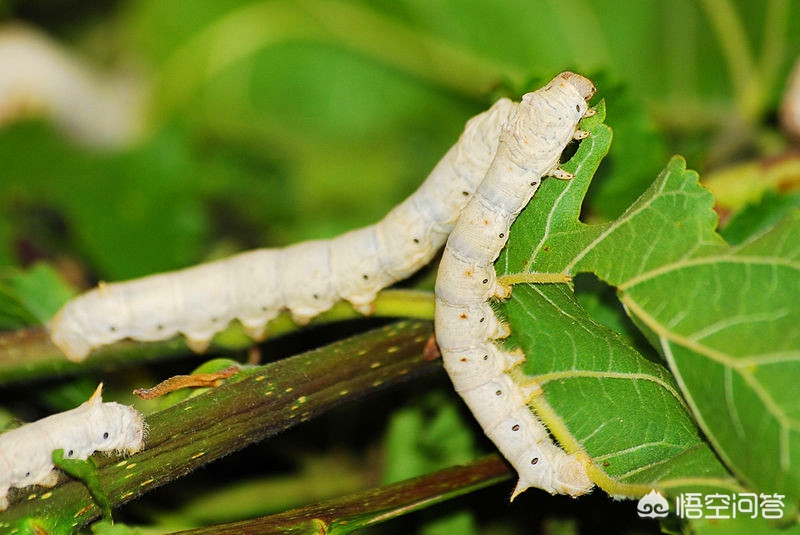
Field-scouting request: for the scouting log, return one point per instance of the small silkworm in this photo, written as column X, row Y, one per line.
column 41, row 77
column 26, row 452
column 306, row 278
column 466, row 326
column 790, row 107
column 178, row 382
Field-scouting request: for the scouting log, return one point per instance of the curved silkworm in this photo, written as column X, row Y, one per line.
column 466, row 326
column 26, row 452
column 305, row 279
column 790, row 105
column 40, row 77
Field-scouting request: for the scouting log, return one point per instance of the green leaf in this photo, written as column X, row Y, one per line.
column 759, row 217
column 30, row 297
column 427, row 436
column 86, row 471
column 725, row 319
column 638, row 152
column 104, row 527
column 131, row 212
column 734, row 347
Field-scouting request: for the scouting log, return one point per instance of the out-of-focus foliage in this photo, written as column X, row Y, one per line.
column 261, row 123
column 271, row 121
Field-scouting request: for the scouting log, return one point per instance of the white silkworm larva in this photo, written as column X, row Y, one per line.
column 26, row 452
column 790, row 107
column 41, row 77
column 305, row 279
column 466, row 327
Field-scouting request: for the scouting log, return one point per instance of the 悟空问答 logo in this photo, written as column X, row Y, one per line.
column 653, row 505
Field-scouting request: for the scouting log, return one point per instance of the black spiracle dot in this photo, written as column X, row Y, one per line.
column 515, row 428
column 483, row 319
column 486, row 357
column 105, row 435
column 416, row 240
column 534, row 183
column 465, row 193
column 112, row 328
column 70, row 453
column 577, row 107
column 498, row 393
column 486, row 281
column 365, row 277
column 316, row 296
column 502, row 234
column 160, row 327
column 534, row 461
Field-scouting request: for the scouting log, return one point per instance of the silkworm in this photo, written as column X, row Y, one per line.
column 40, row 77
column 790, row 105
column 26, row 452
column 306, row 278
column 466, row 327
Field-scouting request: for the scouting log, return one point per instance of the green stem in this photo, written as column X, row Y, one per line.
column 773, row 50
column 374, row 506
column 246, row 30
column 741, row 65
column 255, row 404
column 29, row 354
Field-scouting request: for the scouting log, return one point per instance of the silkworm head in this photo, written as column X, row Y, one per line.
column 96, row 318
column 571, row 477
column 67, row 333
column 115, row 427
column 582, row 85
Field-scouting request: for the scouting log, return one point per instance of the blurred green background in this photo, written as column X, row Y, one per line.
column 268, row 122
column 227, row 125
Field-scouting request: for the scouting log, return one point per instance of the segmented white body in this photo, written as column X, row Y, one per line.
column 40, row 77
column 790, row 105
column 26, row 452
column 305, row 279
column 466, row 327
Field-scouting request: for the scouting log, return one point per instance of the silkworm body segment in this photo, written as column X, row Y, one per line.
column 304, row 279
column 26, row 452
column 466, row 327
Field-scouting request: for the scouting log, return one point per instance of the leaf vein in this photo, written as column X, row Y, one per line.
column 545, row 378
